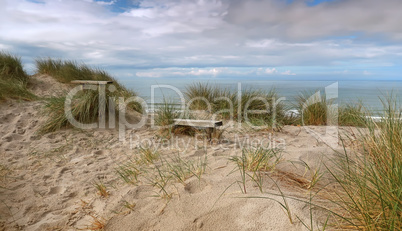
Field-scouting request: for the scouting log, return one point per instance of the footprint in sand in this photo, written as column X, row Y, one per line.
column 99, row 152
column 12, row 137
column 63, row 171
column 198, row 153
column 195, row 186
column 32, row 124
column 34, row 137
column 51, row 136
column 56, row 190
column 7, row 138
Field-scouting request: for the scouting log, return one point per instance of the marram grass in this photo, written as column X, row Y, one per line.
column 67, row 71
column 85, row 105
column 10, row 89
column 369, row 179
column 13, row 79
column 258, row 107
column 11, row 68
column 316, row 109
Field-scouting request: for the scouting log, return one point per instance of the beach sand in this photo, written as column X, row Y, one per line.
column 48, row 181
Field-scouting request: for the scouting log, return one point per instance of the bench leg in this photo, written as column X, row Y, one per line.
column 209, row 133
column 102, row 105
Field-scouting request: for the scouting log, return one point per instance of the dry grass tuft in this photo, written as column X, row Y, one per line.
column 102, row 190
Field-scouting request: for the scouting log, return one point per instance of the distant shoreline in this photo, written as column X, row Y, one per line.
column 368, row 92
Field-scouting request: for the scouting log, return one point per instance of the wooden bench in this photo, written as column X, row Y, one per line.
column 100, row 84
column 91, row 82
column 209, row 125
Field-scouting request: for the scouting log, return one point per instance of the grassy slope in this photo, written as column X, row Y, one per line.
column 85, row 106
column 13, row 79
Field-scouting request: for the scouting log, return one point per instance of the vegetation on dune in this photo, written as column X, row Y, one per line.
column 165, row 114
column 13, row 79
column 254, row 163
column 164, row 118
column 367, row 189
column 85, row 109
column 67, row 71
column 352, row 115
column 315, row 109
column 85, row 105
column 14, row 90
column 11, row 68
column 255, row 106
column 312, row 108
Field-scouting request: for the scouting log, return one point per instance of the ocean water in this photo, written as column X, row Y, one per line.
column 368, row 92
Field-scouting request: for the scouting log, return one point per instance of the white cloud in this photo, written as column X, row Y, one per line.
column 271, row 71
column 367, row 73
column 106, row 3
column 199, row 72
column 212, row 37
column 4, row 47
column 288, row 72
column 148, row 74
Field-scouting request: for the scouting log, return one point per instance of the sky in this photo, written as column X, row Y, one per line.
column 264, row 39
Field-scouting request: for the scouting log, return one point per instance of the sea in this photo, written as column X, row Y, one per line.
column 370, row 93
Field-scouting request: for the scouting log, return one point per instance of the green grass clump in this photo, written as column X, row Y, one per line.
column 352, row 115
column 267, row 111
column 129, row 172
column 165, row 114
column 315, row 109
column 148, row 155
column 256, row 161
column 312, row 108
column 67, row 71
column 164, row 118
column 85, row 105
column 182, row 169
column 11, row 68
column 11, row 89
column 84, row 108
column 369, row 195
column 255, row 106
column 13, row 79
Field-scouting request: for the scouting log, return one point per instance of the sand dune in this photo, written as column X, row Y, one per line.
column 47, row 181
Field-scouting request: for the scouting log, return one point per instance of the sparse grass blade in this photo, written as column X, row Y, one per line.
column 165, row 115
column 369, row 179
column 129, row 172
column 256, row 160
column 148, row 156
column 101, row 188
